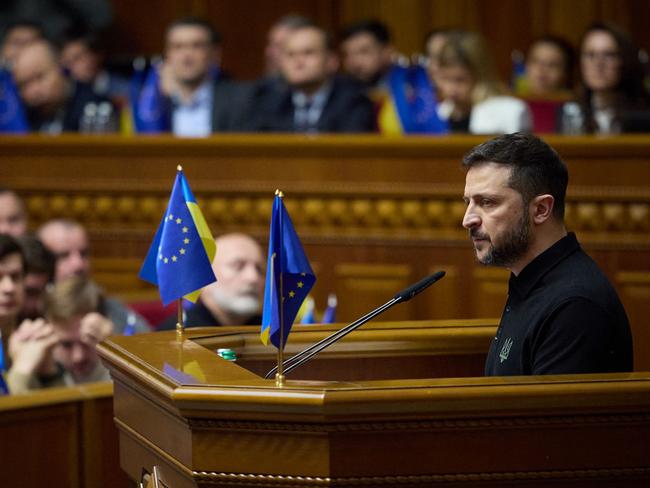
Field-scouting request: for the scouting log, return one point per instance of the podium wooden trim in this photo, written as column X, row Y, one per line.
column 222, row 424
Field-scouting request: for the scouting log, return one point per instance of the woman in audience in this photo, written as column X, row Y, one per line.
column 472, row 98
column 549, row 68
column 611, row 83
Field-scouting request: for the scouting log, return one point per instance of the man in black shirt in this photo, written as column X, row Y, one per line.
column 562, row 315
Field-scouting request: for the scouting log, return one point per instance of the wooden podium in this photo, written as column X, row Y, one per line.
column 393, row 404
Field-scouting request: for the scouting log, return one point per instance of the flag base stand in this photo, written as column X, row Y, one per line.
column 180, row 330
column 279, row 380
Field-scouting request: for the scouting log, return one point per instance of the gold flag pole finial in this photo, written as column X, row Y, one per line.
column 179, row 168
column 279, row 193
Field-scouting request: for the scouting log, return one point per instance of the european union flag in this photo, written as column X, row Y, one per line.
column 179, row 260
column 12, row 113
column 289, row 277
column 424, row 106
column 149, row 105
column 4, row 389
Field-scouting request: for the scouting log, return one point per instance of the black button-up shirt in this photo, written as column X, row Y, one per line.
column 562, row 316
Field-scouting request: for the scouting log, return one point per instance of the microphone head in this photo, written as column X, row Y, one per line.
column 406, row 294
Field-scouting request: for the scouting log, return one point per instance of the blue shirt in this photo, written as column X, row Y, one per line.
column 194, row 118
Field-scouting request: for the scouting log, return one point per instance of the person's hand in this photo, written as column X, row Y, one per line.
column 95, row 328
column 30, row 348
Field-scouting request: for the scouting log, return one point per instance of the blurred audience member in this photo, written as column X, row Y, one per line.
column 201, row 101
column 56, row 17
column 473, row 100
column 367, row 52
column 611, row 83
column 277, row 35
column 61, row 349
column 236, row 297
column 549, row 68
column 39, row 274
column 13, row 216
column 54, row 103
column 16, row 37
column 310, row 97
column 83, row 55
column 12, row 274
column 433, row 43
column 69, row 242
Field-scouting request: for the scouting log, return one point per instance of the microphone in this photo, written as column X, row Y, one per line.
column 403, row 296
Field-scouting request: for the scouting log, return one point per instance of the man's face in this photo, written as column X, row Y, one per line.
column 81, row 61
column 545, row 69
column 496, row 216
column 189, row 53
column 274, row 47
column 40, row 79
column 11, row 285
column 239, row 268
column 433, row 47
column 455, row 84
column 13, row 220
column 306, row 61
column 16, row 40
column 365, row 58
column 75, row 354
column 35, row 288
column 600, row 61
column 71, row 248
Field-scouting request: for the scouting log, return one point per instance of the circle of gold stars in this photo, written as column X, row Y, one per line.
column 181, row 250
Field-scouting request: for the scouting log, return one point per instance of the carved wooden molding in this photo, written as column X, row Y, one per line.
column 261, row 480
column 420, row 425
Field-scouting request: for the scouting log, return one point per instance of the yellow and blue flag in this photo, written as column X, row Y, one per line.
column 12, row 113
column 179, row 260
column 4, row 389
column 289, row 277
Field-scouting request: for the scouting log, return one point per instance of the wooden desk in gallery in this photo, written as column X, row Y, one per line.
column 60, row 438
column 377, row 409
column 374, row 213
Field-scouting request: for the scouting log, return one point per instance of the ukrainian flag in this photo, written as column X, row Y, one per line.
column 179, row 260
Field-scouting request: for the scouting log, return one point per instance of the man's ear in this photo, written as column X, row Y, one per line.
column 541, row 208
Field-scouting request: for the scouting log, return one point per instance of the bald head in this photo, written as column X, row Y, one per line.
column 237, row 294
column 39, row 77
column 68, row 241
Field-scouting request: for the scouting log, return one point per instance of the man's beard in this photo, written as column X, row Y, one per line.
column 513, row 245
column 244, row 304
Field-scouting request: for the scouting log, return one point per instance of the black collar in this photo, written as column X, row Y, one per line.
column 520, row 286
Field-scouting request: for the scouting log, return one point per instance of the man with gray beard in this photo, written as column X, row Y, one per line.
column 562, row 315
column 236, row 297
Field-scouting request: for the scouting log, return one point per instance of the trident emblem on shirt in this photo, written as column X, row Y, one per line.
column 505, row 350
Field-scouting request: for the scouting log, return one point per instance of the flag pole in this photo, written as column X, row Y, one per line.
column 180, row 327
column 279, row 376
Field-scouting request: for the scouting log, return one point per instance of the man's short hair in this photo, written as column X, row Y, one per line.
column 23, row 23
column 375, row 28
column 328, row 39
column 213, row 34
column 73, row 297
column 293, row 21
column 38, row 258
column 9, row 245
column 536, row 167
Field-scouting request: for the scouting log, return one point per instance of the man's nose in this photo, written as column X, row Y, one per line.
column 7, row 284
column 471, row 218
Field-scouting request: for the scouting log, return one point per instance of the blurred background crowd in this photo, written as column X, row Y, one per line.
column 59, row 74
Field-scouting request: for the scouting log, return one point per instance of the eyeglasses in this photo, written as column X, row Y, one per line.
column 607, row 56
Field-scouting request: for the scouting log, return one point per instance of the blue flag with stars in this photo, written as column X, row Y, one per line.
column 12, row 113
column 4, row 390
column 179, row 260
column 289, row 277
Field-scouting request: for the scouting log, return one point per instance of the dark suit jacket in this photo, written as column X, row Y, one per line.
column 347, row 108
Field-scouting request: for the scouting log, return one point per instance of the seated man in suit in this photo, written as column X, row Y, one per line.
column 60, row 349
column 54, row 103
column 311, row 97
column 236, row 297
column 200, row 100
column 69, row 242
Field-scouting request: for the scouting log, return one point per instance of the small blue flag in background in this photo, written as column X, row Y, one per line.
column 12, row 112
column 150, row 108
column 179, row 260
column 289, row 277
